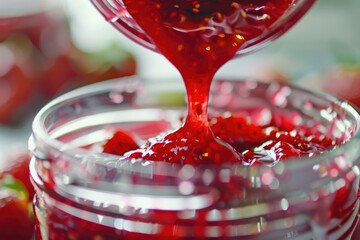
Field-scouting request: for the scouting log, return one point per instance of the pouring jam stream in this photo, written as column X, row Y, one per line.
column 198, row 37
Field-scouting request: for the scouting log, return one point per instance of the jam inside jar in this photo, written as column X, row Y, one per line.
column 82, row 193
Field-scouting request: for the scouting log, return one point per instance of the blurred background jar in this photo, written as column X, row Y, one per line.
column 39, row 60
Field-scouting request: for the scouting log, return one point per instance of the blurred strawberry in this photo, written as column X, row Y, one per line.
column 6, row 28
column 124, row 68
column 38, row 61
column 75, row 68
column 110, row 62
column 16, row 221
column 15, row 86
column 271, row 74
column 41, row 23
column 16, row 164
column 61, row 71
column 124, row 65
column 344, row 82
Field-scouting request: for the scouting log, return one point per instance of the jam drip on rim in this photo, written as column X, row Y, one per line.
column 198, row 37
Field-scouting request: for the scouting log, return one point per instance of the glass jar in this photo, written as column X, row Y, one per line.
column 82, row 193
column 114, row 11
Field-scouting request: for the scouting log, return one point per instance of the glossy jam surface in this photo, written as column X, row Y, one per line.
column 198, row 37
column 255, row 144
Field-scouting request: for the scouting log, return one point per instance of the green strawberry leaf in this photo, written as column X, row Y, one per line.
column 11, row 183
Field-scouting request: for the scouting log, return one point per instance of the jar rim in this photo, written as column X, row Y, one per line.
column 40, row 134
column 87, row 177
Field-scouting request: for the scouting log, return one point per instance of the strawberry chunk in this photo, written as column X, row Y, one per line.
column 120, row 143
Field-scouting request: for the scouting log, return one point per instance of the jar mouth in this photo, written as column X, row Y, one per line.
column 133, row 84
column 46, row 147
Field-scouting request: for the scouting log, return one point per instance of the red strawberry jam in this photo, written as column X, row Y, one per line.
column 198, row 37
column 253, row 143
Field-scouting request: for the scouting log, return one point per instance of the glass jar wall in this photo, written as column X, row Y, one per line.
column 82, row 193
